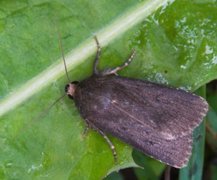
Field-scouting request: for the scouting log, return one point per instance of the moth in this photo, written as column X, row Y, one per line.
column 153, row 118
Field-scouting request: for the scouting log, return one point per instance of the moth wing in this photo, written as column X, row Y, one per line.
column 154, row 119
column 169, row 111
column 174, row 152
column 118, row 122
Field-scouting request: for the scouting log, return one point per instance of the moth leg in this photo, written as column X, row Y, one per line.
column 125, row 64
column 86, row 130
column 111, row 145
column 88, row 126
column 96, row 61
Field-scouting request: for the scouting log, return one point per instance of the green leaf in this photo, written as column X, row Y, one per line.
column 212, row 117
column 175, row 45
column 211, row 126
column 151, row 169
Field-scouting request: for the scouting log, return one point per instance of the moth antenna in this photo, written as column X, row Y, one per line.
column 49, row 107
column 62, row 53
column 43, row 113
column 96, row 61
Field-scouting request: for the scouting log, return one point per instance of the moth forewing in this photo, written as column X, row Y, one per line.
column 156, row 119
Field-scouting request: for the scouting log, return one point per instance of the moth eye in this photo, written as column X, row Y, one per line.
column 75, row 82
column 66, row 88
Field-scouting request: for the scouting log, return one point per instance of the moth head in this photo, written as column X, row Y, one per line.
column 70, row 89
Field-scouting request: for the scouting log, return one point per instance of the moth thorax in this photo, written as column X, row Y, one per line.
column 70, row 89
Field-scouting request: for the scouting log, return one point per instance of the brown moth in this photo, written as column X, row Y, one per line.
column 153, row 118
